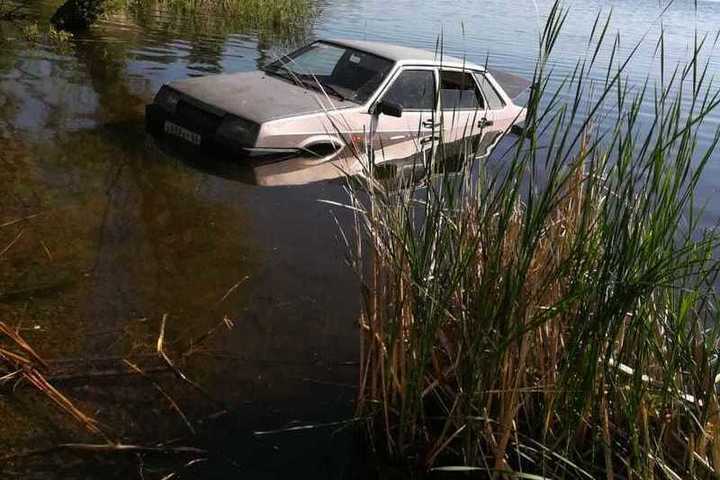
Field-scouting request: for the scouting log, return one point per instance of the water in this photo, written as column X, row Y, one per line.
column 126, row 233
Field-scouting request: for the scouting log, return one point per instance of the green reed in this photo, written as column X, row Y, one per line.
column 277, row 18
column 553, row 316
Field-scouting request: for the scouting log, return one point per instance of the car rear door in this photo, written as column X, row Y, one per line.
column 498, row 118
column 473, row 114
column 412, row 136
column 463, row 114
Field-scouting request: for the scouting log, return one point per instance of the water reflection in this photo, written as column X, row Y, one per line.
column 129, row 234
column 289, row 171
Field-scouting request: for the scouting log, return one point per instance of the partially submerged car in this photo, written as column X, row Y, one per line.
column 329, row 103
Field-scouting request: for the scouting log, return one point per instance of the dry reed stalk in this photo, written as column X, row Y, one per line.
column 19, row 220
column 119, row 448
column 607, row 440
column 12, row 242
column 179, row 373
column 171, row 401
column 30, row 367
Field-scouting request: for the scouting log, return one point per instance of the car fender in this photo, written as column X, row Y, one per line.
column 325, row 139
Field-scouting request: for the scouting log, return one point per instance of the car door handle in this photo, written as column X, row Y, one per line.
column 430, row 124
column 484, row 122
column 426, row 140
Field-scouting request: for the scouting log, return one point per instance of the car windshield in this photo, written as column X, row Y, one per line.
column 343, row 72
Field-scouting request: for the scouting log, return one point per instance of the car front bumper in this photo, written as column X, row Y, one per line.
column 156, row 117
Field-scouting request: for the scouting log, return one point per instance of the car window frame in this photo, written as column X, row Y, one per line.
column 491, row 81
column 472, row 74
column 396, row 74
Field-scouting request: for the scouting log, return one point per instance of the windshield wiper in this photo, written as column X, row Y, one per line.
column 281, row 71
column 332, row 90
column 315, row 83
column 284, row 72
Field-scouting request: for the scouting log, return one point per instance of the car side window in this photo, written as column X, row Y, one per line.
column 494, row 100
column 458, row 91
column 413, row 89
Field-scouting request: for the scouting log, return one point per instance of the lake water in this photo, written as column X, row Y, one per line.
column 125, row 233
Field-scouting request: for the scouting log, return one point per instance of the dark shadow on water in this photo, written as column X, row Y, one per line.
column 161, row 233
column 211, row 163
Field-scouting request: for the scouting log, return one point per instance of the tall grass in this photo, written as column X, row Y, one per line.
column 277, row 18
column 554, row 317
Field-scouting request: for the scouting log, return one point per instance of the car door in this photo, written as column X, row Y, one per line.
column 463, row 114
column 412, row 136
column 497, row 117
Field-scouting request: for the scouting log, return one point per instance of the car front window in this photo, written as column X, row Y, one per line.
column 413, row 90
column 344, row 72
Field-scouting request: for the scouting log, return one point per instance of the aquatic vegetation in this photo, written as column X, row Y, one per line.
column 281, row 19
column 32, row 32
column 553, row 313
column 58, row 37
column 277, row 18
column 11, row 11
column 259, row 13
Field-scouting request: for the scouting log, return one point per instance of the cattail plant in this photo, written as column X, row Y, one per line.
column 551, row 313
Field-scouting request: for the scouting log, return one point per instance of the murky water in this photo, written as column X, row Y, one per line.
column 122, row 233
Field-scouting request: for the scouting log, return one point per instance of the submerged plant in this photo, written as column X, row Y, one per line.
column 554, row 315
column 31, row 32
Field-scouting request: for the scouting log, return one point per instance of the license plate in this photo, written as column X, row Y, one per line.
column 184, row 133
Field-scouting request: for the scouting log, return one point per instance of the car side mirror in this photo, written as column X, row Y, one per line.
column 389, row 108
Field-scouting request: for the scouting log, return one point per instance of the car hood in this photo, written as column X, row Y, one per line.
column 257, row 96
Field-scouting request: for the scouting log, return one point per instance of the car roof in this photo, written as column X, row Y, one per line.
column 405, row 55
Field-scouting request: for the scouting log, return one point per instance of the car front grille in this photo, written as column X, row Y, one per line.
column 196, row 119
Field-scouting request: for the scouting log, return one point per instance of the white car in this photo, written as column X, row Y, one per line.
column 323, row 107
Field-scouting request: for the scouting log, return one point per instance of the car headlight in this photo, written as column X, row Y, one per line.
column 237, row 131
column 167, row 98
